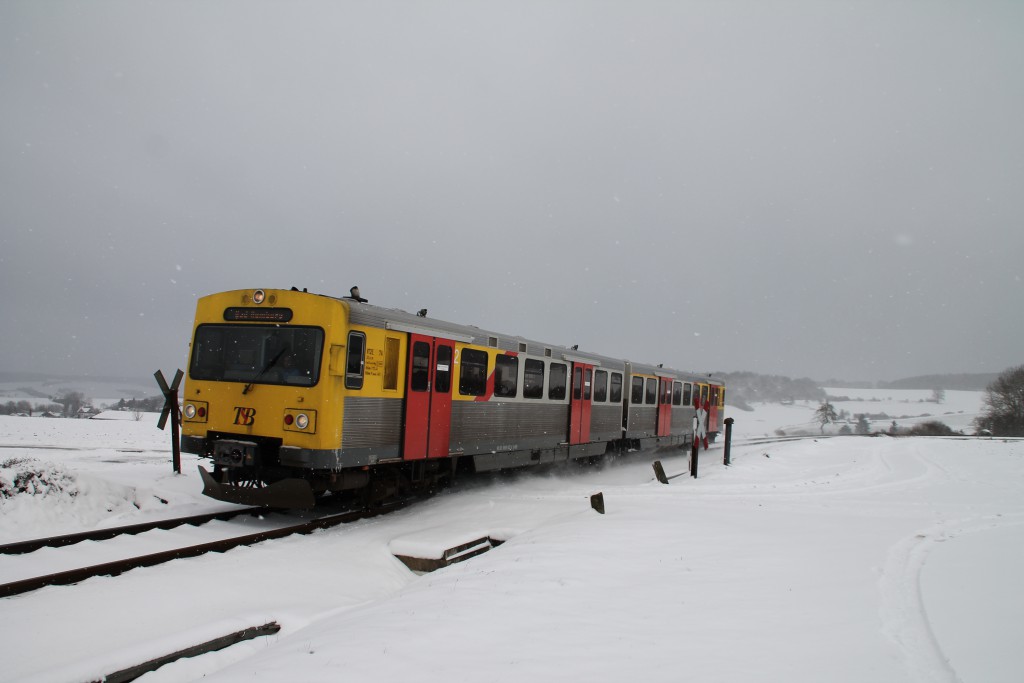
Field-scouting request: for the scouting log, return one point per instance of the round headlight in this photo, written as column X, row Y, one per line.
column 258, row 296
column 190, row 411
column 302, row 421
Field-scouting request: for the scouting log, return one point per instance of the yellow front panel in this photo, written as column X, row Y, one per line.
column 259, row 410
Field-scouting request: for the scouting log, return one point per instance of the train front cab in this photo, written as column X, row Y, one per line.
column 263, row 392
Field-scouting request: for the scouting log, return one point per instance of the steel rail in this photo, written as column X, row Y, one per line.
column 22, row 547
column 120, row 566
column 756, row 440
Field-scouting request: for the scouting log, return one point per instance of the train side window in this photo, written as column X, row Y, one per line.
column 703, row 394
column 637, row 393
column 721, row 398
column 557, row 381
column 506, row 376
column 533, row 378
column 600, row 386
column 419, row 379
column 355, row 361
column 392, row 347
column 577, row 383
column 473, row 373
column 687, row 394
column 443, row 373
column 588, row 383
column 677, row 393
column 651, row 397
column 616, row 391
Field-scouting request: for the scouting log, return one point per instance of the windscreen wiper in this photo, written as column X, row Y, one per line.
column 270, row 364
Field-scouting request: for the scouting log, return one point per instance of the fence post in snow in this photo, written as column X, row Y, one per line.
column 659, row 472
column 728, row 438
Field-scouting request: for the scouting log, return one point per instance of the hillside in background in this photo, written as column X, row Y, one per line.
column 40, row 389
column 742, row 388
column 963, row 382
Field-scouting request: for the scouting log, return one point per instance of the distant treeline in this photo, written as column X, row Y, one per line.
column 743, row 387
column 153, row 404
column 964, row 382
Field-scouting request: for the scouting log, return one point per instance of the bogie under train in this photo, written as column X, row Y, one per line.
column 293, row 395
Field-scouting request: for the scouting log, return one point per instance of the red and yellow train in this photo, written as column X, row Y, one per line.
column 294, row 395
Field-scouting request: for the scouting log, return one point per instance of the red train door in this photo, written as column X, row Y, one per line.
column 664, row 406
column 428, row 398
column 579, row 413
column 713, row 410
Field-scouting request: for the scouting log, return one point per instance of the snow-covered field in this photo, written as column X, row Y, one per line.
column 100, row 392
column 906, row 407
column 846, row 559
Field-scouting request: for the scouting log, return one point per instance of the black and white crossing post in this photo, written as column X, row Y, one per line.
column 171, row 410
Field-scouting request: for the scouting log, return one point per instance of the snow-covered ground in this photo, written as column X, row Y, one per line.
column 847, row 559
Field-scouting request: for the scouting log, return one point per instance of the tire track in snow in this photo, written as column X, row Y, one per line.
column 859, row 468
column 904, row 614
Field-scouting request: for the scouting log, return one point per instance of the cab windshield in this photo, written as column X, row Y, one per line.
column 257, row 354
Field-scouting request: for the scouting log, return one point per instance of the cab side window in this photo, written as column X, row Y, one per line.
column 355, row 360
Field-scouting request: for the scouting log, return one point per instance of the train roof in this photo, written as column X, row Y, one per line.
column 363, row 313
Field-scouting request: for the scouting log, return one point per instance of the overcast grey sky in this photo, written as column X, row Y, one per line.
column 823, row 189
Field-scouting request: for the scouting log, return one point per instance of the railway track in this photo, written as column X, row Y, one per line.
column 822, row 437
column 151, row 559
column 21, row 547
column 782, row 439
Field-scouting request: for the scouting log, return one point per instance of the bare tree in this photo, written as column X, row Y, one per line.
column 1003, row 412
column 825, row 414
column 71, row 402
